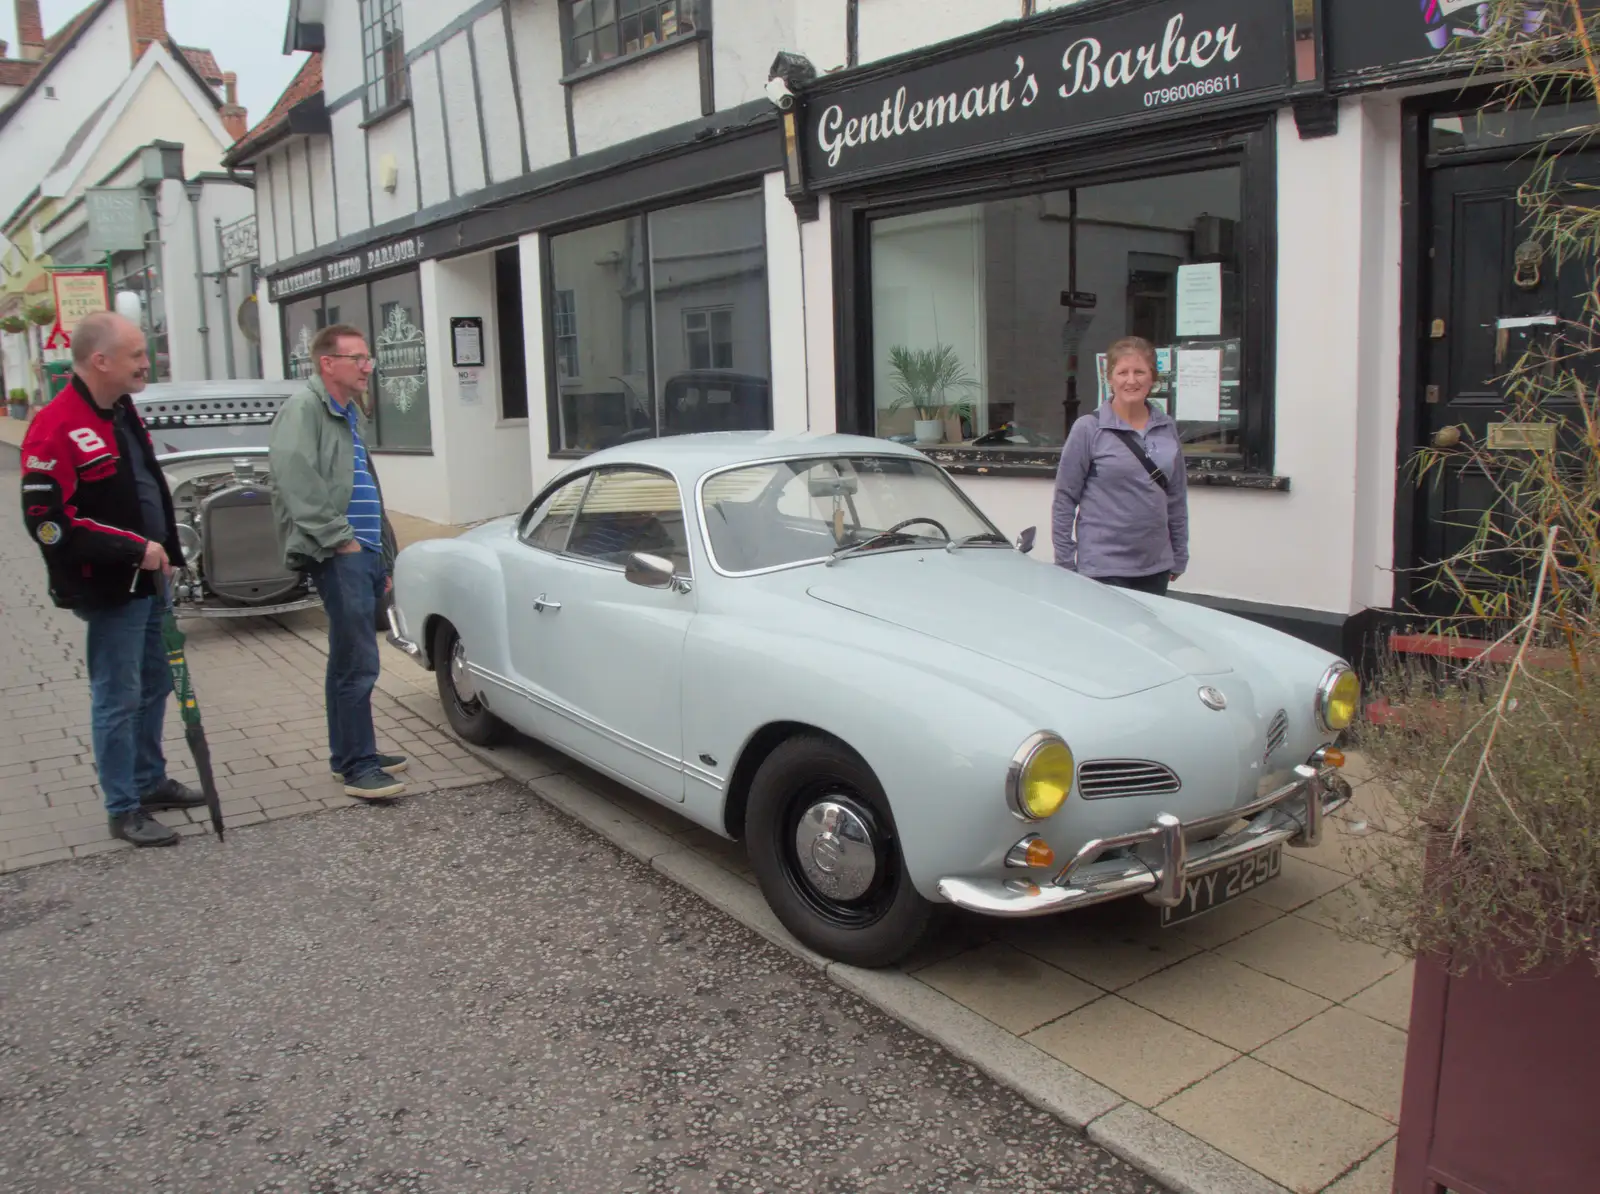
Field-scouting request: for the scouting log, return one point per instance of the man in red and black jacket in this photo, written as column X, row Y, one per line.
column 97, row 504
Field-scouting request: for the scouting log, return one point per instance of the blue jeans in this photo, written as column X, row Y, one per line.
column 352, row 589
column 128, row 686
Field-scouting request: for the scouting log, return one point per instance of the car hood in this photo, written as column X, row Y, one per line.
column 1094, row 640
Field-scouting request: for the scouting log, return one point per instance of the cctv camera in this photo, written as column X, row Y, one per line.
column 780, row 95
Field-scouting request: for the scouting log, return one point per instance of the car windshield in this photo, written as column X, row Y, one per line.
column 798, row 511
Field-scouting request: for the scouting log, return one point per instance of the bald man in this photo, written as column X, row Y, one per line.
column 96, row 502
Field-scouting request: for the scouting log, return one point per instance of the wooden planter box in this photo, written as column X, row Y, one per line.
column 1502, row 1084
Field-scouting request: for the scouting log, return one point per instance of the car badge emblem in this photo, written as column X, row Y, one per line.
column 1211, row 698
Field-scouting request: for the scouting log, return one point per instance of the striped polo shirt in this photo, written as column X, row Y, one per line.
column 366, row 508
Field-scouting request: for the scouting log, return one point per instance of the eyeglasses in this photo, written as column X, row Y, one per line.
column 360, row 358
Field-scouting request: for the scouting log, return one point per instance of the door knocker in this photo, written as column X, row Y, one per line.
column 1529, row 256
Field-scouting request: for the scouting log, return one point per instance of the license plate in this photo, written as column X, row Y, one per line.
column 1211, row 890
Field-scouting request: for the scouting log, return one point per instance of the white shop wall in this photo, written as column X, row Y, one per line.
column 1327, row 543
column 486, row 456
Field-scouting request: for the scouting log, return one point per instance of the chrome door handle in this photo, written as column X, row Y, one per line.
column 540, row 604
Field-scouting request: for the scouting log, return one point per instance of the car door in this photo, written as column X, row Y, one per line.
column 606, row 653
column 526, row 562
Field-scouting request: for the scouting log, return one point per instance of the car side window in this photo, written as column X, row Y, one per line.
column 548, row 525
column 630, row 510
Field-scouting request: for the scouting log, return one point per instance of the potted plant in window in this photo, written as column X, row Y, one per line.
column 923, row 379
column 18, row 404
column 1488, row 740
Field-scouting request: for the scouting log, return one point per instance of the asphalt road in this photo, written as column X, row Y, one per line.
column 465, row 992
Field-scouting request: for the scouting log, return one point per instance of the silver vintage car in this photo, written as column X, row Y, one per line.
column 819, row 645
column 211, row 441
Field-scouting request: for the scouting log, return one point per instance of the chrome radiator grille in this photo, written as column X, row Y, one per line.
column 1277, row 732
column 243, row 555
column 1101, row 779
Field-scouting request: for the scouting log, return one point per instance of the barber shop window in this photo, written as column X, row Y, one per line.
column 989, row 319
column 657, row 325
column 599, row 31
column 389, row 314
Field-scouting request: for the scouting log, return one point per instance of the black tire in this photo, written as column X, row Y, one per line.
column 380, row 623
column 879, row 921
column 467, row 716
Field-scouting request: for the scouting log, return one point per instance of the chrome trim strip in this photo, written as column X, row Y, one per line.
column 583, row 721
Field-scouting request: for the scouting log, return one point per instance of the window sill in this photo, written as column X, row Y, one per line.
column 383, row 114
column 1213, row 472
column 584, row 73
column 377, row 451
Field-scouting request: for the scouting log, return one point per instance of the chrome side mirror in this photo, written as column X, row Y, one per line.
column 1025, row 540
column 651, row 572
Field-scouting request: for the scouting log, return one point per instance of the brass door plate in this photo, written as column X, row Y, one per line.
column 1522, row 437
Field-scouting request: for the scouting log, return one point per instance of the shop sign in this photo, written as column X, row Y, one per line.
column 239, row 244
column 344, row 270
column 1431, row 36
column 77, row 295
column 1155, row 61
column 118, row 220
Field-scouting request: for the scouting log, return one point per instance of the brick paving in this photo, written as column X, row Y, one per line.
column 260, row 684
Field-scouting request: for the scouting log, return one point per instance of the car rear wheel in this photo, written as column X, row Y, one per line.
column 823, row 846
column 458, row 691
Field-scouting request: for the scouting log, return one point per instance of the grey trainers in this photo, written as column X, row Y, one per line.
column 388, row 764
column 374, row 785
column 140, row 828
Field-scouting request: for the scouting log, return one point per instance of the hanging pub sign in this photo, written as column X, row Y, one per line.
column 343, row 270
column 1134, row 65
column 77, row 294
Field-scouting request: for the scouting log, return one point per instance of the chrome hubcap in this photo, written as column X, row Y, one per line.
column 836, row 852
column 460, row 678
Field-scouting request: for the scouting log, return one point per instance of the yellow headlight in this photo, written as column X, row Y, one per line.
column 1338, row 698
column 1041, row 780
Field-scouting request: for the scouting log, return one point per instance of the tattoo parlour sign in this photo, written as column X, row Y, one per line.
column 1151, row 61
column 344, row 270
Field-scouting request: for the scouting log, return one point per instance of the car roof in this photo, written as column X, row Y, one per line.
column 168, row 391
column 691, row 456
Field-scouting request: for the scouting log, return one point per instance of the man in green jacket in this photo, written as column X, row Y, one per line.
column 330, row 516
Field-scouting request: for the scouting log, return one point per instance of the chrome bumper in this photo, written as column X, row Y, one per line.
column 1292, row 814
column 187, row 610
column 399, row 641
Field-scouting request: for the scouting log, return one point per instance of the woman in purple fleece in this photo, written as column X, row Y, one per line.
column 1121, row 513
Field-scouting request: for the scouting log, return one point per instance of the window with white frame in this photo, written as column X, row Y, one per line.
column 598, row 31
column 708, row 334
column 383, row 50
column 565, row 311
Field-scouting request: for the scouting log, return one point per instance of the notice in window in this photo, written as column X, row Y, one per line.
column 1200, row 299
column 1199, row 385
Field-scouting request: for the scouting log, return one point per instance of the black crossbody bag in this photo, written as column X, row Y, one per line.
column 1131, row 442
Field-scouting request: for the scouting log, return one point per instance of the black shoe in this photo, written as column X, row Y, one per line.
column 140, row 828
column 171, row 794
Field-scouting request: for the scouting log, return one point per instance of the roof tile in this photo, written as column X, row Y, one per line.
column 304, row 85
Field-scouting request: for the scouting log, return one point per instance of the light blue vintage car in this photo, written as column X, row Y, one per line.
column 820, row 646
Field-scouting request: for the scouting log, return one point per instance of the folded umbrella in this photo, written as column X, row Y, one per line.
column 193, row 731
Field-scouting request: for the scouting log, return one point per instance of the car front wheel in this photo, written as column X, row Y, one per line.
column 458, row 691
column 823, row 846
